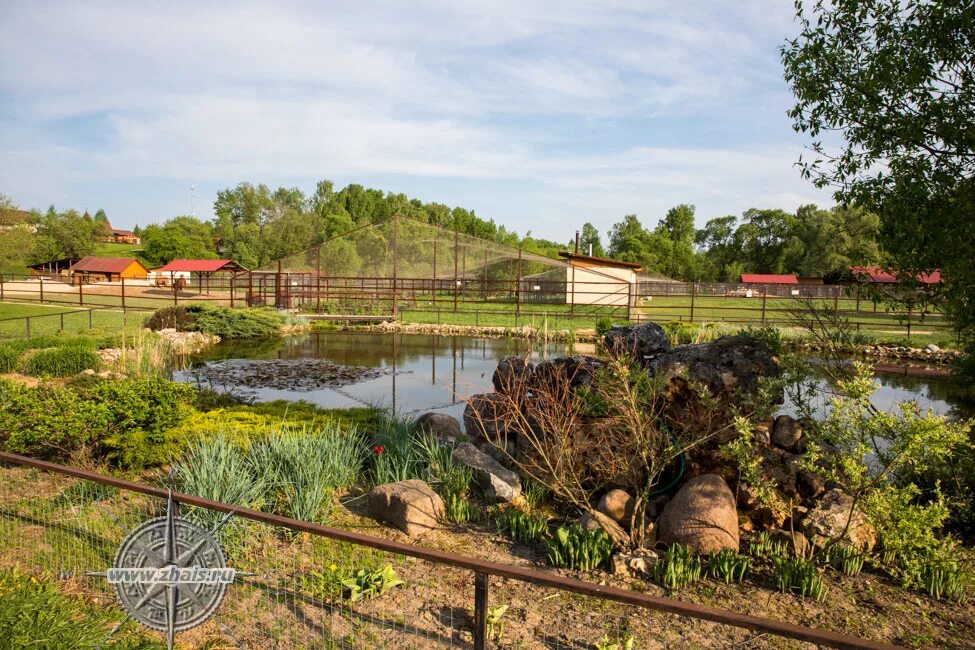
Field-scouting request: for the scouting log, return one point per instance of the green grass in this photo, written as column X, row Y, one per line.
column 46, row 321
column 109, row 249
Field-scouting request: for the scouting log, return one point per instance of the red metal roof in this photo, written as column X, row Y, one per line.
column 94, row 264
column 768, row 278
column 201, row 266
column 877, row 275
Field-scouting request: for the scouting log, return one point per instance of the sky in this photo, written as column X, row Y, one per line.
column 539, row 115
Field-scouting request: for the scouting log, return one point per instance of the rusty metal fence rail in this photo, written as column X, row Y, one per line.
column 71, row 524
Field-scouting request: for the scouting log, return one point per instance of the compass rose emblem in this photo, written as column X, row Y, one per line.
column 169, row 573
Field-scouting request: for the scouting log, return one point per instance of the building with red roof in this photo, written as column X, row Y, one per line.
column 179, row 272
column 877, row 275
column 768, row 278
column 107, row 269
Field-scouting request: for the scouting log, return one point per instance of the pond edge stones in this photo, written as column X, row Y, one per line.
column 412, row 506
column 496, row 481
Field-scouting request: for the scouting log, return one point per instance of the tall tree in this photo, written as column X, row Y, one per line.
column 589, row 241
column 885, row 89
column 183, row 237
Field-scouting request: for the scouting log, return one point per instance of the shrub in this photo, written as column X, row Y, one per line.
column 10, row 354
column 60, row 362
column 800, row 575
column 770, row 336
column 239, row 323
column 521, row 527
column 182, row 318
column 49, row 421
column 728, row 565
column 574, row 547
column 678, row 567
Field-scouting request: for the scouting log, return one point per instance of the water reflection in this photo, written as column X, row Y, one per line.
column 439, row 372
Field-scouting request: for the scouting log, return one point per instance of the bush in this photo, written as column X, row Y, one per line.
column 575, row 547
column 49, row 421
column 10, row 354
column 770, row 336
column 60, row 362
column 182, row 318
column 240, row 323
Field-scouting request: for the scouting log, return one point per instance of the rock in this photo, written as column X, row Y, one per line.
column 828, row 520
column 794, row 541
column 575, row 371
column 487, row 416
column 588, row 522
column 786, row 432
column 512, row 375
column 443, row 426
column 810, row 485
column 638, row 563
column 729, row 366
column 638, row 341
column 702, row 516
column 412, row 506
column 497, row 481
column 760, row 435
column 931, row 347
column 618, row 506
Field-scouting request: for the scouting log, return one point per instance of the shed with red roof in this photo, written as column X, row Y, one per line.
column 177, row 270
column 769, row 278
column 107, row 269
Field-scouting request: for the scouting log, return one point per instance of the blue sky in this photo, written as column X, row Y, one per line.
column 539, row 115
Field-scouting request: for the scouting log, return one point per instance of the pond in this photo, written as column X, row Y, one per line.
column 413, row 373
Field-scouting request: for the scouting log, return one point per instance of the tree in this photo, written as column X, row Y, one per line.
column 678, row 225
column 767, row 240
column 589, row 241
column 61, row 235
column 179, row 238
column 717, row 243
column 886, row 91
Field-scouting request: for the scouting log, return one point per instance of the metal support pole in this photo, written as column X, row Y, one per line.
column 123, row 295
column 455, row 269
column 89, row 318
column 27, row 321
column 481, row 593
column 232, row 278
column 518, row 291
column 395, row 265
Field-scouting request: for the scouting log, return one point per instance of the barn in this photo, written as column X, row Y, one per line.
column 107, row 269
column 599, row 281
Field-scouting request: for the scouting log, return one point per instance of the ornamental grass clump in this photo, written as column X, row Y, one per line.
column 521, row 526
column 800, row 575
column 728, row 565
column 575, row 547
column 678, row 567
column 60, row 362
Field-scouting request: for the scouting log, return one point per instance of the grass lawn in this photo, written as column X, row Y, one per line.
column 110, row 249
column 47, row 319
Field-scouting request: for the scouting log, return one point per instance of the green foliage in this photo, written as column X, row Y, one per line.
column 846, row 558
column 945, row 578
column 604, row 324
column 395, row 456
column 728, row 565
column 520, row 526
column 231, row 324
column 365, row 584
column 182, row 237
column 764, row 547
column 36, row 614
column 49, row 421
column 574, row 547
column 770, row 336
column 217, row 469
column 800, row 575
column 678, row 567
column 621, row 643
column 10, row 354
column 179, row 317
column 459, row 509
column 535, row 494
column 83, row 493
column 495, row 624
column 59, row 362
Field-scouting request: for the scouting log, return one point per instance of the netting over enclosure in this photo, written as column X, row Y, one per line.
column 402, row 263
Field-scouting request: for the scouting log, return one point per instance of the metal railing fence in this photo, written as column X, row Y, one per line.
column 289, row 601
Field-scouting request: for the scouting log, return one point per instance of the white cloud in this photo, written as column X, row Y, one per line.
column 460, row 92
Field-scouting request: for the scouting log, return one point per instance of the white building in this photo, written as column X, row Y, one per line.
column 599, row 281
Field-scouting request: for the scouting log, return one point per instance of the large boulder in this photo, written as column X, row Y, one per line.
column 496, row 481
column 564, row 372
column 412, row 506
column 440, row 425
column 488, row 415
column 786, row 432
column 702, row 516
column 638, row 341
column 512, row 375
column 832, row 516
column 618, row 505
column 730, row 366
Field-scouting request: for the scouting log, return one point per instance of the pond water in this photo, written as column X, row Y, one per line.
column 415, row 373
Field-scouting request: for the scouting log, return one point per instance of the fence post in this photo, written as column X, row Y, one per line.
column 123, row 295
column 836, row 300
column 62, row 321
column 455, row 269
column 27, row 321
column 481, row 588
column 764, row 299
column 232, row 278
column 42, row 289
column 395, row 262
column 693, row 296
column 81, row 295
column 89, row 318
column 1, row 286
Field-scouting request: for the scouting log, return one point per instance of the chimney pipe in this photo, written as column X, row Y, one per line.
column 577, row 242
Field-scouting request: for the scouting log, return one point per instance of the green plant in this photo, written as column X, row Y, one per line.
column 218, row 470
column 181, row 318
column 678, row 567
column 59, row 362
column 764, row 547
column 944, row 578
column 370, row 584
column 10, row 354
column 458, row 509
column 520, row 526
column 624, row 643
column 846, row 558
column 770, row 336
column 495, row 624
column 728, row 565
column 231, row 324
column 83, row 493
column 395, row 455
column 800, row 575
column 535, row 494
column 575, row 547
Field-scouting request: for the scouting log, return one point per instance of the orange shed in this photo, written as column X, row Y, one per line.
column 108, row 269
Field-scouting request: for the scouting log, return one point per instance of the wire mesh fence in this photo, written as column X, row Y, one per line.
column 300, row 585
